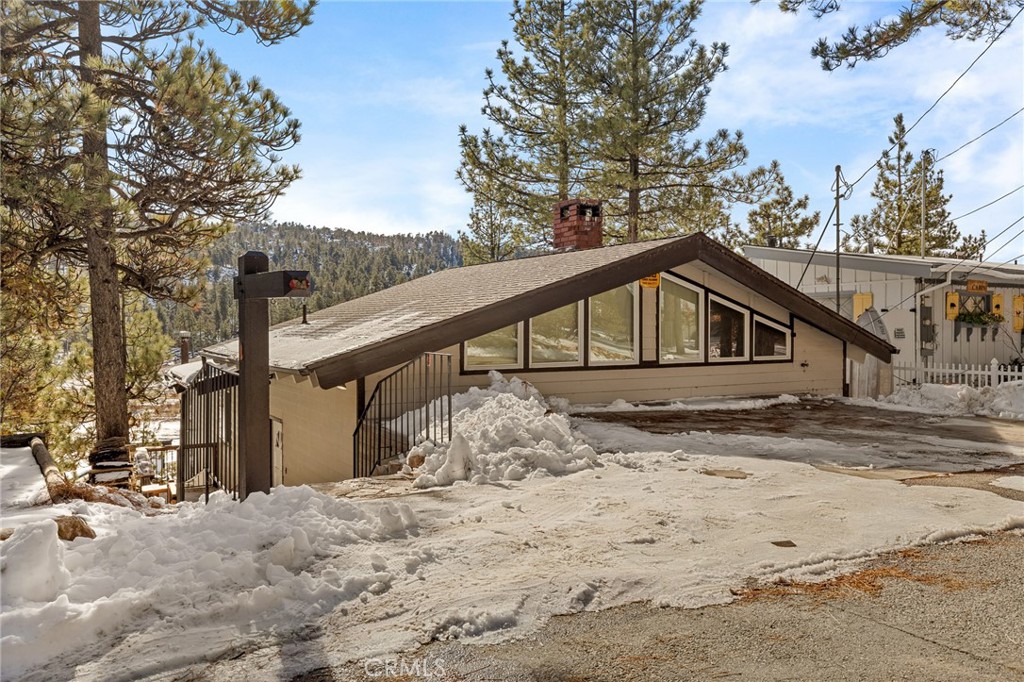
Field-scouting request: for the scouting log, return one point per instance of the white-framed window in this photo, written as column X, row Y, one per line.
column 681, row 322
column 615, row 326
column 772, row 341
column 500, row 349
column 728, row 331
column 556, row 337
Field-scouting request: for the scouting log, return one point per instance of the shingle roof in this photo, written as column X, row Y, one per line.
column 386, row 328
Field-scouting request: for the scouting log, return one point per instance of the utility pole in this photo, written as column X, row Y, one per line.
column 925, row 156
column 839, row 173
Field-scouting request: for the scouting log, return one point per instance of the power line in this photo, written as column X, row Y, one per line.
column 970, row 142
column 963, row 260
column 936, row 102
column 1008, row 242
column 824, row 229
column 1012, row 191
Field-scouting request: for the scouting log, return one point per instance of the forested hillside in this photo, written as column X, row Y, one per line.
column 344, row 265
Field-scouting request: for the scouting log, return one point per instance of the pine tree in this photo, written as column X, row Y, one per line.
column 781, row 220
column 149, row 143
column 492, row 235
column 650, row 82
column 970, row 19
column 72, row 395
column 535, row 155
column 894, row 224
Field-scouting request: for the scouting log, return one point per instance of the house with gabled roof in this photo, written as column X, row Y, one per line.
column 354, row 384
column 940, row 312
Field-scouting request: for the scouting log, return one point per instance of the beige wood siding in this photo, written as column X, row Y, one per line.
column 318, row 427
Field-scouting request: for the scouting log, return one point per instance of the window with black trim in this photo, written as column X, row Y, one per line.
column 555, row 338
column 613, row 332
column 772, row 341
column 681, row 336
column 728, row 330
column 499, row 349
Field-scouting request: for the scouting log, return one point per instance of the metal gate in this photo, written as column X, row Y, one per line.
column 208, row 455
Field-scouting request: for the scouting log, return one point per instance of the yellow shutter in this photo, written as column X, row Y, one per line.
column 997, row 304
column 862, row 302
column 1018, row 313
column 952, row 305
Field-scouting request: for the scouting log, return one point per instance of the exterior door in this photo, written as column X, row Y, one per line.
column 277, row 448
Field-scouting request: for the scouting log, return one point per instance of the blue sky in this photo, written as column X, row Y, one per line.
column 381, row 88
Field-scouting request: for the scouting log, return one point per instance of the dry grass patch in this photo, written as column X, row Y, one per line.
column 869, row 581
column 77, row 490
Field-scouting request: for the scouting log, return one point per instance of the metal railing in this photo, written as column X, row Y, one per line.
column 208, row 454
column 411, row 405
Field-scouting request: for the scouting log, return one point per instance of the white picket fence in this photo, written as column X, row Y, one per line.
column 977, row 376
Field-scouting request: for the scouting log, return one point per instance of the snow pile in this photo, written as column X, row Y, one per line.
column 505, row 432
column 1008, row 401
column 692, row 405
column 1005, row 401
column 32, row 565
column 227, row 564
column 21, row 482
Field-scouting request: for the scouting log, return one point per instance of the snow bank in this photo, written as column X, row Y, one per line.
column 225, row 564
column 504, row 432
column 691, row 405
column 21, row 482
column 1005, row 401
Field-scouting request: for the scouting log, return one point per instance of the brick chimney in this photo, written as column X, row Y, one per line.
column 577, row 225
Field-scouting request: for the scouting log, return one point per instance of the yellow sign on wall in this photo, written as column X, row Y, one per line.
column 651, row 282
column 952, row 305
column 977, row 286
column 1018, row 313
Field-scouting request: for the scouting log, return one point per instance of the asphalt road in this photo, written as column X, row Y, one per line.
column 941, row 613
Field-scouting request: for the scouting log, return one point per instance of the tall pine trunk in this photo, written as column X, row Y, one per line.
column 104, row 289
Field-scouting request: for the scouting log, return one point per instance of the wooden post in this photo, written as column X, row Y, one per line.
column 253, row 381
column 253, row 286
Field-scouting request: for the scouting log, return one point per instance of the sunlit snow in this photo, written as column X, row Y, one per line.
column 527, row 514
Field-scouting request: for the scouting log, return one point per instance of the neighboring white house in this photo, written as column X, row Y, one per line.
column 937, row 311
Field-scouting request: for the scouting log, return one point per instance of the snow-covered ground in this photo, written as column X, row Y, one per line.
column 528, row 513
column 1005, row 401
column 23, row 496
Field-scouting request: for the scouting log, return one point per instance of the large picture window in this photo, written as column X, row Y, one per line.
column 681, row 330
column 555, row 337
column 771, row 340
column 613, row 326
column 498, row 350
column 727, row 331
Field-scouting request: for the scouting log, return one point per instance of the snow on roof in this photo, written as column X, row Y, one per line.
column 434, row 299
column 182, row 374
column 387, row 328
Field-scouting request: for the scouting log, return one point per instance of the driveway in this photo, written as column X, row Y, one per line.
column 829, row 434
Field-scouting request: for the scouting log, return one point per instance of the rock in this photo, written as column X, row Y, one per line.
column 415, row 460
column 68, row 528
column 71, row 527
